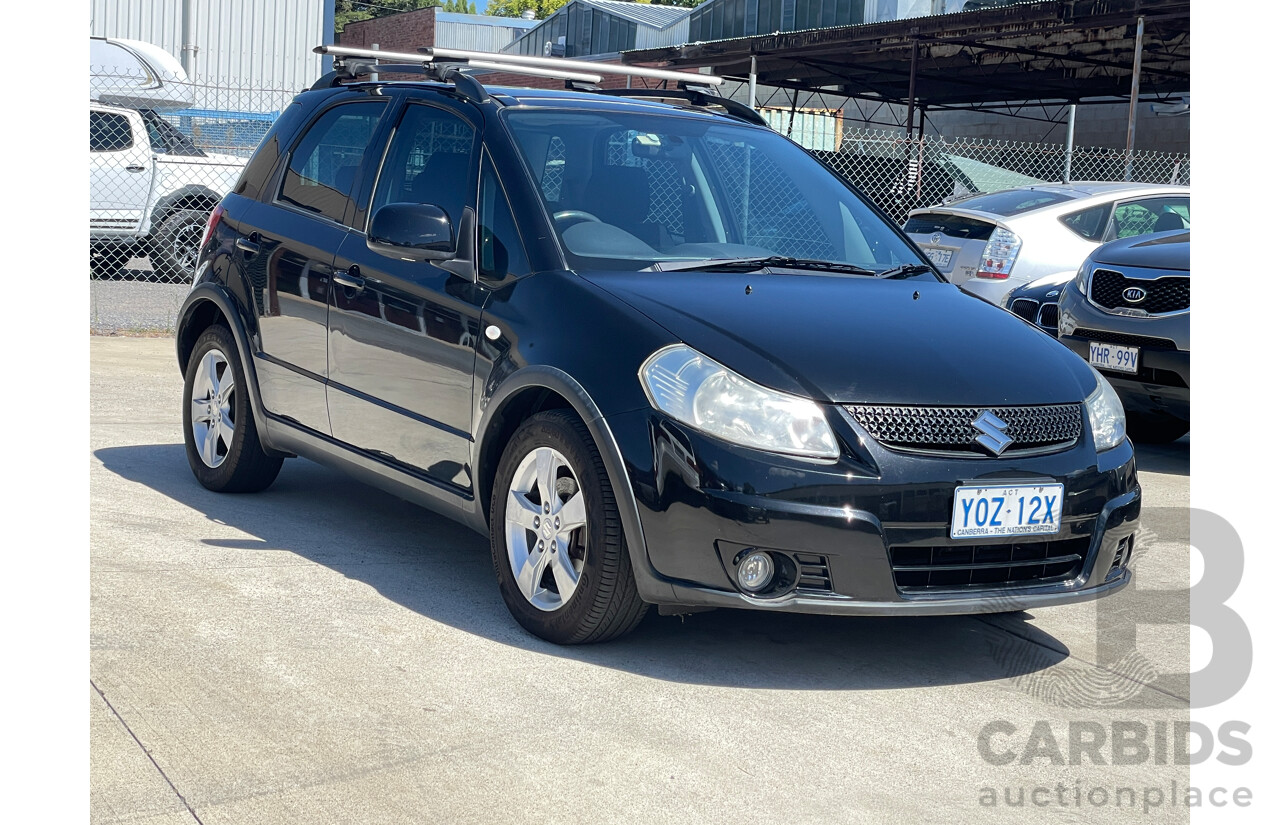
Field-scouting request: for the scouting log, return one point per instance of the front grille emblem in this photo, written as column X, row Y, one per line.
column 1134, row 294
column 991, row 433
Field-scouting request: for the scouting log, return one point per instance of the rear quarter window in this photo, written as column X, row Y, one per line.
column 1090, row 223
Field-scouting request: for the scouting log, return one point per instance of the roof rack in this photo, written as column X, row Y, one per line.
column 696, row 96
column 556, row 67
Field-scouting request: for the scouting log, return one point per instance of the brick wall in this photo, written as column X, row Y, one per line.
column 403, row 32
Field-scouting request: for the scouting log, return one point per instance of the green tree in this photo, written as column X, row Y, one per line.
column 458, row 7
column 514, row 8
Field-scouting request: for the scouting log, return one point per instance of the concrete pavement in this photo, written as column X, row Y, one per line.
column 322, row 652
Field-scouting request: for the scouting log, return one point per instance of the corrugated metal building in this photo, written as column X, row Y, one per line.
column 478, row 32
column 602, row 27
column 259, row 44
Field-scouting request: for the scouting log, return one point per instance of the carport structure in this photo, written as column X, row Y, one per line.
column 1026, row 54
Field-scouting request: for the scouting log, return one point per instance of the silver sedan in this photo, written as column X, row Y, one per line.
column 993, row 243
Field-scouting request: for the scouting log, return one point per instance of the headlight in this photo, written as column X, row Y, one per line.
column 709, row 397
column 1081, row 281
column 1106, row 414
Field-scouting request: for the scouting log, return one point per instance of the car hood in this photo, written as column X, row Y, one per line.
column 1164, row 250
column 858, row 340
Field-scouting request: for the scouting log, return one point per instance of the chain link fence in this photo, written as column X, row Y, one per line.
column 164, row 151
column 900, row 173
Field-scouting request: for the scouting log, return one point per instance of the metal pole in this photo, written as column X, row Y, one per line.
column 751, row 84
column 373, row 75
column 1071, row 142
column 1133, row 101
column 795, row 100
column 189, row 47
column 911, row 89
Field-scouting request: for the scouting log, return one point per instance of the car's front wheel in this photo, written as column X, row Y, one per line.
column 556, row 537
column 223, row 447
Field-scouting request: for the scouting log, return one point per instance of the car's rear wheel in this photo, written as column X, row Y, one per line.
column 176, row 245
column 556, row 536
column 1147, row 428
column 223, row 447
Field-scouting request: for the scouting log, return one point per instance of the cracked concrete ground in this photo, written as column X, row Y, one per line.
column 322, row 652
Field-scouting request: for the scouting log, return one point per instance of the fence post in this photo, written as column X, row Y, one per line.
column 1071, row 142
column 751, row 83
column 1133, row 101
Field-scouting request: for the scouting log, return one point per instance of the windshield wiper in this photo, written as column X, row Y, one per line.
column 903, row 271
column 755, row 264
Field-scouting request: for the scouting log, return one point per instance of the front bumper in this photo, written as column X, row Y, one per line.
column 1162, row 385
column 703, row 502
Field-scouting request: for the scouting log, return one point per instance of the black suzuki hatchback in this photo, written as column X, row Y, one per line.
column 654, row 350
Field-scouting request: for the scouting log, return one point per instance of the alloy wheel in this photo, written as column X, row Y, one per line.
column 546, row 523
column 213, row 408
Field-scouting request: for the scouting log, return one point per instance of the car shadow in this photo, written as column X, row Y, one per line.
column 1171, row 459
column 443, row 571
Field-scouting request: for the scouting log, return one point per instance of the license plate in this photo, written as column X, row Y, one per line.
column 941, row 257
column 1113, row 357
column 1012, row 510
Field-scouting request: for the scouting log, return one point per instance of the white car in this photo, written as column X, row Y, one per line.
column 993, row 243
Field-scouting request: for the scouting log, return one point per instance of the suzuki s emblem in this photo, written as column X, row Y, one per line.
column 935, row 238
column 991, row 433
column 1134, row 294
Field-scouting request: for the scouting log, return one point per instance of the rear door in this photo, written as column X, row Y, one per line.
column 290, row 242
column 120, row 171
column 402, row 342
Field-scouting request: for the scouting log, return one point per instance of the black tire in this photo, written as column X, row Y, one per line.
column 605, row 603
column 240, row 465
column 1148, row 428
column 175, row 244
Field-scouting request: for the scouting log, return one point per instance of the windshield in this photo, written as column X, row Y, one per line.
column 627, row 191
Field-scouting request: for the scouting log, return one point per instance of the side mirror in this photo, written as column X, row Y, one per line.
column 412, row 232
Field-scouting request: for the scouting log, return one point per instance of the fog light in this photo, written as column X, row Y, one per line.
column 755, row 572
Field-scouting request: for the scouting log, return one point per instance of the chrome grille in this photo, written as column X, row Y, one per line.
column 951, row 429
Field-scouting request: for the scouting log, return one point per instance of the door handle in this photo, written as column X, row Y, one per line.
column 350, row 279
column 248, row 245
column 135, row 168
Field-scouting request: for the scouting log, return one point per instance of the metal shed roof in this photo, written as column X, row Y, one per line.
column 645, row 14
column 1053, row 50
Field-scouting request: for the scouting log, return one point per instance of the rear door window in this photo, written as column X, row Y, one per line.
column 1148, row 215
column 323, row 166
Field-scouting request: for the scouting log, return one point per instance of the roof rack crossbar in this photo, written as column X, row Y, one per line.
column 556, row 67
column 352, row 56
column 560, row 63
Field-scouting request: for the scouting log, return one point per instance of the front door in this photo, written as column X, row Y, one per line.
column 402, row 344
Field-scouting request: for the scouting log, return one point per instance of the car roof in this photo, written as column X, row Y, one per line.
column 1076, row 195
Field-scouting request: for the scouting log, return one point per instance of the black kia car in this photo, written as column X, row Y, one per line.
column 651, row 348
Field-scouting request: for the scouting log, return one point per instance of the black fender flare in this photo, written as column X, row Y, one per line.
column 165, row 204
column 651, row 585
column 218, row 295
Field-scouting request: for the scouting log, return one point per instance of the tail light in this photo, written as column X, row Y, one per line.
column 214, row 217
column 998, row 256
